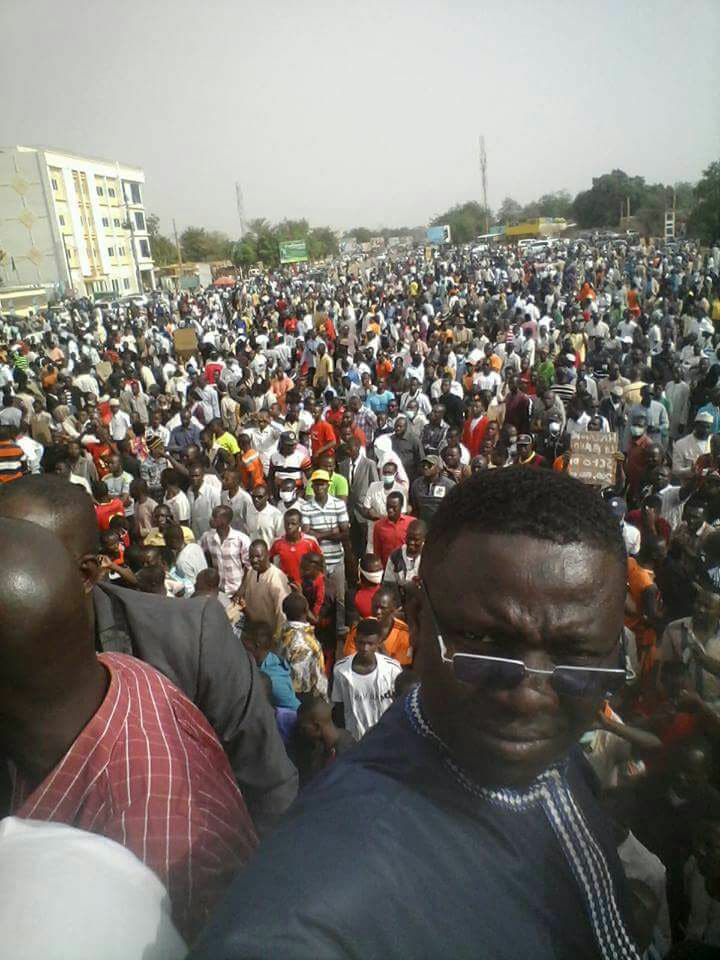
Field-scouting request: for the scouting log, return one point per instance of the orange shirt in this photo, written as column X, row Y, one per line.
column 638, row 580
column 397, row 643
column 251, row 470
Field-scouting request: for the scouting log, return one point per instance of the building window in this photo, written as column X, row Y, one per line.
column 111, row 191
column 100, row 191
column 116, row 285
column 116, row 222
column 111, row 251
column 105, row 222
column 126, row 283
column 139, row 220
column 135, row 193
column 121, row 251
column 61, row 220
column 54, row 183
column 144, row 249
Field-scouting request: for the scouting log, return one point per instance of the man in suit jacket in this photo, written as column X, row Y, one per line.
column 190, row 641
column 360, row 472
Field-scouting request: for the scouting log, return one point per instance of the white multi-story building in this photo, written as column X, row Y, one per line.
column 72, row 224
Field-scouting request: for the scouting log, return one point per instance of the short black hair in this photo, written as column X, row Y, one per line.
column 543, row 504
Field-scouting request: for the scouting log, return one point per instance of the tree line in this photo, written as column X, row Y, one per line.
column 601, row 207
column 603, row 204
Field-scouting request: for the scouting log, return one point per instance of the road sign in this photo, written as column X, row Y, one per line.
column 293, row 251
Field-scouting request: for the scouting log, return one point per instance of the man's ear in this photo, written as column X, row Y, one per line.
column 89, row 571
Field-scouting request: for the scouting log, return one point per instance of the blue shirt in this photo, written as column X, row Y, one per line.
column 378, row 402
column 283, row 694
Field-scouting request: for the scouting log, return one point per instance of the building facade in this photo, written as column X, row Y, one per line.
column 73, row 224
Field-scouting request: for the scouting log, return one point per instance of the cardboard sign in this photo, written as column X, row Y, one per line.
column 186, row 342
column 592, row 457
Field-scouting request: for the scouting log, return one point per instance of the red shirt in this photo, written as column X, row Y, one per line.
column 473, row 437
column 334, row 418
column 388, row 536
column 363, row 599
column 290, row 554
column 662, row 526
column 321, row 433
column 106, row 511
column 212, row 372
column 148, row 772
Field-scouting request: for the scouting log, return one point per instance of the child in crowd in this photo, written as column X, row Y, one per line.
column 301, row 649
column 316, row 741
column 258, row 637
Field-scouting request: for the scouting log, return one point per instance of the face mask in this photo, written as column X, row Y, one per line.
column 374, row 576
column 637, row 431
column 553, row 429
column 388, row 481
column 411, row 414
column 287, row 496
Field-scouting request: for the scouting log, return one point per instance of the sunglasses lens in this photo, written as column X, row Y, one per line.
column 586, row 683
column 486, row 672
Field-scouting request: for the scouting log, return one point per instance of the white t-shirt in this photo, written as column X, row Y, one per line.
column 62, row 890
column 365, row 697
column 179, row 507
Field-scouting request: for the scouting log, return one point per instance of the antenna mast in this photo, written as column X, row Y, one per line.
column 483, row 173
column 240, row 207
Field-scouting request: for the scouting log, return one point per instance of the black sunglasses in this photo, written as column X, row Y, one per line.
column 503, row 673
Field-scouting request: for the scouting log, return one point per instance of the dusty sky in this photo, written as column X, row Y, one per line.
column 363, row 113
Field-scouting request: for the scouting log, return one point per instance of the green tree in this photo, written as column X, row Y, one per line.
column 510, row 212
column 361, row 234
column 600, row 205
column 466, row 221
column 199, row 244
column 163, row 249
column 684, row 196
column 704, row 220
column 558, row 204
column 322, row 242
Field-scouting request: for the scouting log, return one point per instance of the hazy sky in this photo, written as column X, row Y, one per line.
column 364, row 112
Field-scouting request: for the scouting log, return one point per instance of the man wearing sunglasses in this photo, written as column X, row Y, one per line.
column 481, row 835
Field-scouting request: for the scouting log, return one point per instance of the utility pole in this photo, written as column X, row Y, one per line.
column 240, row 207
column 179, row 256
column 483, row 173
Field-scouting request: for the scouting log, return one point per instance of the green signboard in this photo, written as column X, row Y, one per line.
column 293, row 251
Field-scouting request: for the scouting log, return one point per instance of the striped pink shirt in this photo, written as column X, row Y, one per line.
column 149, row 772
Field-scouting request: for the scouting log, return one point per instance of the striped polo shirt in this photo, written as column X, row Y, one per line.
column 12, row 461
column 318, row 517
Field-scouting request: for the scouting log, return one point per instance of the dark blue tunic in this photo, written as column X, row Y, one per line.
column 394, row 853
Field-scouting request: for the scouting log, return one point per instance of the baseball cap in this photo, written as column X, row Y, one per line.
column 288, row 436
column 434, row 460
column 114, row 402
column 704, row 417
column 320, row 475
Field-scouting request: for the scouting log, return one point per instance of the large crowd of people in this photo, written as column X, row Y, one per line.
column 335, row 546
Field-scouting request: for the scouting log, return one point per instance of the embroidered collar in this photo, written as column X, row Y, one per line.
column 504, row 796
column 550, row 793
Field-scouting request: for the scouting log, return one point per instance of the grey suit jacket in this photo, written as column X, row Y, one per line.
column 366, row 472
column 192, row 643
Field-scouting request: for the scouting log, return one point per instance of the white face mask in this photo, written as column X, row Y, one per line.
column 373, row 576
column 637, row 431
column 287, row 496
column 388, row 481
